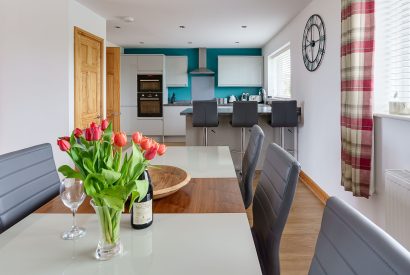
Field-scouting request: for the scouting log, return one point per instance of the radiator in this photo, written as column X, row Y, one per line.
column 398, row 205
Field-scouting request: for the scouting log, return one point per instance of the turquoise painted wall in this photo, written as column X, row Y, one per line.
column 184, row 93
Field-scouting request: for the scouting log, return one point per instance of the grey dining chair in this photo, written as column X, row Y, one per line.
column 250, row 160
column 349, row 243
column 244, row 115
column 205, row 114
column 271, row 205
column 28, row 179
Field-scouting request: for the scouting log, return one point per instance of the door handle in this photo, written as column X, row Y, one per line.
column 98, row 117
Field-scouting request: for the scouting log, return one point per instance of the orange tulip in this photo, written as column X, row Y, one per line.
column 120, row 139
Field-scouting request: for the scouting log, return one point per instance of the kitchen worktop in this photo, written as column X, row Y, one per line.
column 228, row 109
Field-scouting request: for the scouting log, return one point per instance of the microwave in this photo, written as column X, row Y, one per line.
column 149, row 83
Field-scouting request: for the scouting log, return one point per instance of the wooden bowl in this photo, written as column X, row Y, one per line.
column 167, row 180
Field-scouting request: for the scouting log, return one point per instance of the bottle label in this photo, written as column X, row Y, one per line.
column 142, row 212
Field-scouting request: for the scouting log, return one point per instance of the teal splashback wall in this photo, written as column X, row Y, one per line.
column 184, row 93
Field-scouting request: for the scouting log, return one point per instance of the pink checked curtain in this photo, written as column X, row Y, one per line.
column 357, row 89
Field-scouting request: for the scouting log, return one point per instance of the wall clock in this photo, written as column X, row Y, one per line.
column 313, row 44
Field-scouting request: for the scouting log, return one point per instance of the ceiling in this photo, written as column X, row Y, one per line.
column 208, row 23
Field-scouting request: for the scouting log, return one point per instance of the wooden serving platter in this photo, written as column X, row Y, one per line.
column 167, row 180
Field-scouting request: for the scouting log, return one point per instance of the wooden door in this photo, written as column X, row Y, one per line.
column 88, row 78
column 113, row 87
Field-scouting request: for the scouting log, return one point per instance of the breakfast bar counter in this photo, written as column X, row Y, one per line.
column 226, row 135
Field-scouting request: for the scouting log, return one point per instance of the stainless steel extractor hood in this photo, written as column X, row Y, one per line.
column 202, row 70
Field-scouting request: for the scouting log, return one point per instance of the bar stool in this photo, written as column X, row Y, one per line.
column 285, row 114
column 205, row 114
column 244, row 115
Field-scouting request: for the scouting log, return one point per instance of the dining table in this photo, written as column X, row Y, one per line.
column 200, row 229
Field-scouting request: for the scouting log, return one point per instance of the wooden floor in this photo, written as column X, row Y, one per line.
column 301, row 231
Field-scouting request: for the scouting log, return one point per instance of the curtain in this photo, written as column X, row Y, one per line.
column 357, row 50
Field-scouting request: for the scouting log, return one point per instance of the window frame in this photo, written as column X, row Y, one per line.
column 272, row 91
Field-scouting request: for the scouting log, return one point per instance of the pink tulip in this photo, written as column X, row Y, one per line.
column 77, row 132
column 64, row 145
column 137, row 137
column 120, row 139
column 151, row 153
column 162, row 149
column 146, row 143
column 104, row 124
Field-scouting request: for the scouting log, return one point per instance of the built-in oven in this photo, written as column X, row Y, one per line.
column 149, row 95
column 149, row 104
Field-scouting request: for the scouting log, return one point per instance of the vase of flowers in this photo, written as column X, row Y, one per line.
column 110, row 178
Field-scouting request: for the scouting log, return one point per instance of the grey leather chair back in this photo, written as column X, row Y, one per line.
column 204, row 113
column 28, row 179
column 250, row 159
column 349, row 243
column 271, row 205
column 284, row 113
column 245, row 113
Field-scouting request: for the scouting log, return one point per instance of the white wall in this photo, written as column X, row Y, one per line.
column 37, row 70
column 33, row 73
column 319, row 93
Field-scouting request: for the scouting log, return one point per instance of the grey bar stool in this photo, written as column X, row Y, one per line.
column 205, row 114
column 244, row 115
column 285, row 114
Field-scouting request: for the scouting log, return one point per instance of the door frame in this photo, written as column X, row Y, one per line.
column 77, row 32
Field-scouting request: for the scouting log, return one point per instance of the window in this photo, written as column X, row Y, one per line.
column 279, row 73
column 392, row 60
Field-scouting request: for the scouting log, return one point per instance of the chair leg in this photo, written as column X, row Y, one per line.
column 242, row 146
column 295, row 142
column 206, row 136
column 282, row 138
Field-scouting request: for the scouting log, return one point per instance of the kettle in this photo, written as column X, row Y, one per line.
column 232, row 99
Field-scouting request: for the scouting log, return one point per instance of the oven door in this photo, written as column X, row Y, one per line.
column 149, row 107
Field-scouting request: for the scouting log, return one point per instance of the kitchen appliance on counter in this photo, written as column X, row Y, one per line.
column 245, row 97
column 256, row 98
column 264, row 95
column 232, row 99
column 149, row 95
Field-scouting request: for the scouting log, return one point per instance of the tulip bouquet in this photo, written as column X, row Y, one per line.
column 109, row 178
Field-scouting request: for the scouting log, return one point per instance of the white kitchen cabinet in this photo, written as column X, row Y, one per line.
column 176, row 68
column 240, row 71
column 128, row 90
column 150, row 126
column 129, row 116
column 174, row 123
column 130, row 123
column 151, row 64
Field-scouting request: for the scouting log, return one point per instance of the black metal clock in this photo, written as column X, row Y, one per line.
column 314, row 41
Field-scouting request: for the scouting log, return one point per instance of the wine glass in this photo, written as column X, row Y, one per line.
column 72, row 194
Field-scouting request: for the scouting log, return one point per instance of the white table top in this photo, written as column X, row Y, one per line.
column 175, row 244
column 200, row 161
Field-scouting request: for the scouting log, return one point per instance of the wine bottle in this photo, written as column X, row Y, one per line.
column 141, row 212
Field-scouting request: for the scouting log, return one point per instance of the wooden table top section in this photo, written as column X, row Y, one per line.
column 200, row 195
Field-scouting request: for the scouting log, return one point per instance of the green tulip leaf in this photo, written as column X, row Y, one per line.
column 69, row 172
column 110, row 176
column 88, row 165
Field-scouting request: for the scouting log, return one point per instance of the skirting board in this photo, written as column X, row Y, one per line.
column 314, row 187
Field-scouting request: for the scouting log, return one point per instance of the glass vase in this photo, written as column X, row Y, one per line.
column 109, row 244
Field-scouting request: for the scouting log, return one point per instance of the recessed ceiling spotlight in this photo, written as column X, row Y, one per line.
column 142, row 42
column 189, row 42
column 128, row 19
column 244, row 27
column 182, row 27
column 117, row 27
column 236, row 42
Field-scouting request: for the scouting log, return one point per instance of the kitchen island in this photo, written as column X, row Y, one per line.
column 226, row 135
